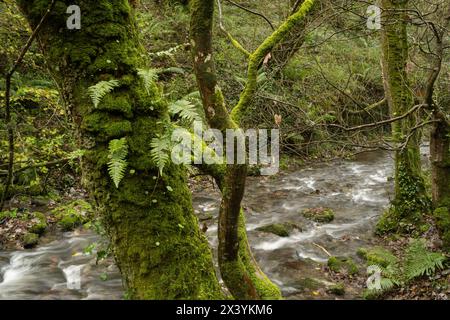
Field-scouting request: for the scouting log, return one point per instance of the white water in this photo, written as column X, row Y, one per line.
column 357, row 192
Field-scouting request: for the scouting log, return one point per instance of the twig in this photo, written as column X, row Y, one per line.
column 322, row 248
column 379, row 123
column 252, row 12
column 233, row 41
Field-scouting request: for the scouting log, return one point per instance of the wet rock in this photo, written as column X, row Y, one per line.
column 320, row 214
column 309, row 284
column 337, row 289
column 204, row 216
column 342, row 265
column 280, row 229
column 30, row 240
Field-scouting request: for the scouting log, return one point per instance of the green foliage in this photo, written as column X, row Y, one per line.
column 160, row 151
column 118, row 151
column 185, row 110
column 148, row 76
column 100, row 89
column 420, row 261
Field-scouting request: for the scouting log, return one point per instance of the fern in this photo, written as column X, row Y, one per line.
column 160, row 148
column 148, row 76
column 99, row 90
column 118, row 151
column 185, row 110
column 420, row 261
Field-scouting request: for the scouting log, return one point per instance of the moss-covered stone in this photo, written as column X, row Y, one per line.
column 39, row 223
column 323, row 215
column 377, row 255
column 30, row 240
column 309, row 284
column 342, row 265
column 442, row 218
column 280, row 229
column 337, row 289
column 73, row 214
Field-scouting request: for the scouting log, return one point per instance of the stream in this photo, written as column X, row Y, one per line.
column 357, row 191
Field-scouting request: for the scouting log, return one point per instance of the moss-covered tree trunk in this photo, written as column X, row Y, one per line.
column 154, row 234
column 291, row 44
column 440, row 177
column 410, row 199
column 239, row 270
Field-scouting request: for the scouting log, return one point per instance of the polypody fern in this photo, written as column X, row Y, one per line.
column 118, row 151
column 100, row 89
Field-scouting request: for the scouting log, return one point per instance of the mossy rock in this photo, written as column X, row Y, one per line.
column 442, row 217
column 39, row 223
column 30, row 240
column 280, row 229
column 342, row 264
column 337, row 289
column 310, row 284
column 323, row 215
column 377, row 255
column 73, row 215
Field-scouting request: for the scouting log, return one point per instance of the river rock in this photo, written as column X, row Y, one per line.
column 319, row 214
column 280, row 229
column 337, row 289
column 30, row 240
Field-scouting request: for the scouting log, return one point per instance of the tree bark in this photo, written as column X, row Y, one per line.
column 239, row 270
column 410, row 199
column 157, row 244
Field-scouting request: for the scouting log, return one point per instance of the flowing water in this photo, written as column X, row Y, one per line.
column 358, row 191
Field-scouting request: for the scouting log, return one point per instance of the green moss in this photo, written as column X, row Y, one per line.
column 30, row 240
column 244, row 275
column 377, row 255
column 116, row 103
column 337, row 289
column 106, row 126
column 73, row 214
column 280, row 229
column 309, row 284
column 39, row 223
column 442, row 218
column 154, row 234
column 342, row 264
column 320, row 214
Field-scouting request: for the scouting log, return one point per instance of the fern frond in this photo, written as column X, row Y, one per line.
column 185, row 110
column 160, row 148
column 100, row 89
column 420, row 261
column 118, row 151
column 148, row 76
